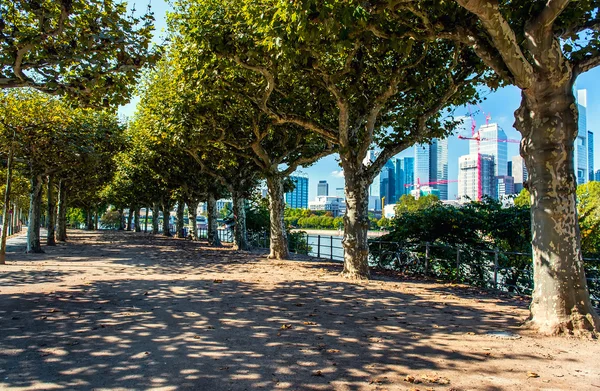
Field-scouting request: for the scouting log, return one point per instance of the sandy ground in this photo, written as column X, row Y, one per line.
column 120, row 311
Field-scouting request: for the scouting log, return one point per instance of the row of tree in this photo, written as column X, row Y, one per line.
column 254, row 89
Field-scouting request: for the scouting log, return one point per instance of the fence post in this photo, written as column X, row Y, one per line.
column 426, row 257
column 496, row 268
column 318, row 246
column 457, row 263
column 331, row 247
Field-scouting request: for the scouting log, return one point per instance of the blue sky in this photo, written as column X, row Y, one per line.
column 500, row 104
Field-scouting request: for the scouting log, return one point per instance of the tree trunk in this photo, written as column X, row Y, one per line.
column 192, row 214
column 212, row 231
column 356, row 220
column 35, row 215
column 5, row 223
column 240, row 237
column 146, row 220
column 155, row 213
column 166, row 216
column 279, row 241
column 61, row 223
column 137, row 224
column 547, row 120
column 96, row 218
column 179, row 224
column 121, row 218
column 129, row 219
column 50, row 241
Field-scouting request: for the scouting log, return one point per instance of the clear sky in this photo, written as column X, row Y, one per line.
column 500, row 104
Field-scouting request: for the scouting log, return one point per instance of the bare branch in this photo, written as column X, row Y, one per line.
column 542, row 22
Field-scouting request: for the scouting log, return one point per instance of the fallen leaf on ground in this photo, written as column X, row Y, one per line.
column 309, row 323
column 532, row 374
column 317, row 373
column 286, row 326
column 217, row 281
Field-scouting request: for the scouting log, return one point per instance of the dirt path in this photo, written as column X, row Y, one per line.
column 115, row 311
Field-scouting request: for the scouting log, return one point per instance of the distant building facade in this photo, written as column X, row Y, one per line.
column 431, row 165
column 581, row 142
column 298, row 198
column 387, row 184
column 405, row 175
column 335, row 205
column 590, row 141
column 468, row 177
column 519, row 171
column 323, row 188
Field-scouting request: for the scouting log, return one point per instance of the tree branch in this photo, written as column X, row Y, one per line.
column 585, row 64
column 503, row 38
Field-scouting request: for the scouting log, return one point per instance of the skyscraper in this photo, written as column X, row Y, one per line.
column 590, row 141
column 340, row 192
column 431, row 165
column 519, row 171
column 493, row 143
column 405, row 175
column 468, row 177
column 298, row 198
column 323, row 188
column 506, row 186
column 581, row 142
column 422, row 163
column 374, row 187
column 388, row 183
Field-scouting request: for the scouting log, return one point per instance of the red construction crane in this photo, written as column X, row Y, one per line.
column 440, row 182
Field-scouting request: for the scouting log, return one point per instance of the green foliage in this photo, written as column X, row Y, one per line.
column 523, row 199
column 89, row 50
column 588, row 210
column 75, row 217
column 111, row 219
column 408, row 203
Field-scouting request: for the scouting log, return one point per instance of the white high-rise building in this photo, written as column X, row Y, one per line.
column 519, row 173
column 581, row 142
column 468, row 177
column 422, row 163
column 493, row 143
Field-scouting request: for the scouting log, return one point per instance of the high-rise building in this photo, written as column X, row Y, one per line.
column 468, row 177
column 590, row 141
column 441, row 166
column 505, row 186
column 493, row 143
column 387, row 185
column 597, row 176
column 298, row 198
column 519, row 173
column 509, row 168
column 323, row 188
column 581, row 142
column 405, row 175
column 431, row 165
column 422, row 163
column 374, row 187
column 340, row 192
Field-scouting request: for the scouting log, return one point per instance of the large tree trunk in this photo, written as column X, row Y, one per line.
column 155, row 213
column 166, row 216
column 179, row 224
column 61, row 223
column 240, row 237
column 192, row 214
column 137, row 225
column 279, row 241
column 356, row 220
column 50, row 241
column 129, row 219
column 35, row 215
column 146, row 220
column 212, row 229
column 547, row 119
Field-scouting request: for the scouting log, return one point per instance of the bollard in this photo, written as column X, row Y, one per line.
column 331, row 247
column 318, row 246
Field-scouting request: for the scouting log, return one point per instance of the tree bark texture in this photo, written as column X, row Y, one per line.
column 179, row 224
column 121, row 218
column 212, row 231
column 279, row 241
column 155, row 213
column 5, row 224
column 96, row 218
column 35, row 215
column 192, row 214
column 61, row 214
column 547, row 120
column 240, row 237
column 51, row 221
column 129, row 219
column 137, row 223
column 356, row 220
column 166, row 216
column 146, row 220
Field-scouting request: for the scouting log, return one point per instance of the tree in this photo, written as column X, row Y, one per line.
column 523, row 198
column 88, row 50
column 364, row 91
column 588, row 210
column 540, row 47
